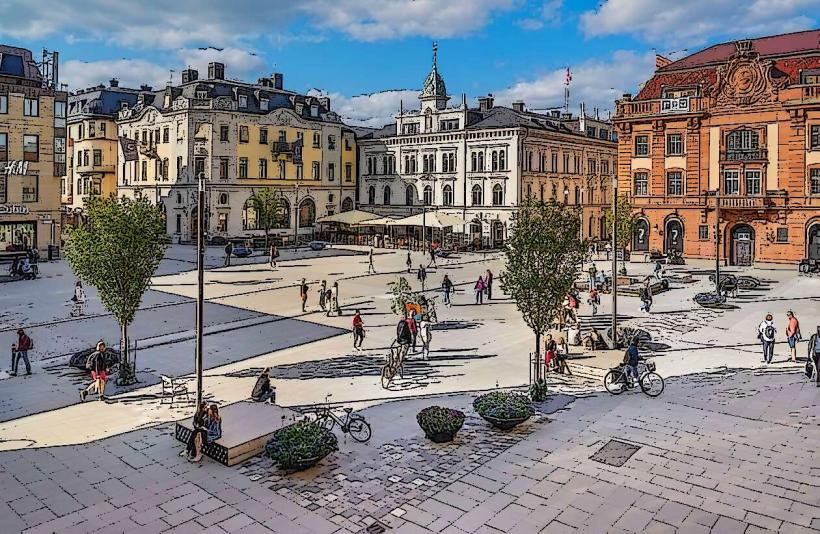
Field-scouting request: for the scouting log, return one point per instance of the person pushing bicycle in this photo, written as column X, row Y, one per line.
column 404, row 335
column 631, row 358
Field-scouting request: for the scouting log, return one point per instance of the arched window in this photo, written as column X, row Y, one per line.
column 498, row 195
column 554, row 191
column 473, row 161
column 478, row 194
column 428, row 195
column 409, row 195
column 385, row 168
column 284, row 214
column 371, row 195
column 481, row 161
column 387, row 194
column 347, row 204
column 502, row 160
column 250, row 217
column 577, row 195
column 307, row 213
column 425, row 167
column 742, row 141
column 495, row 161
column 542, row 193
column 447, row 192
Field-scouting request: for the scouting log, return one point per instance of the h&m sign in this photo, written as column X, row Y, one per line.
column 16, row 168
column 13, row 209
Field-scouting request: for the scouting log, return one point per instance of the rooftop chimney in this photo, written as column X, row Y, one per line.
column 264, row 82
column 518, row 106
column 113, row 82
column 278, row 80
column 190, row 75
column 485, row 103
column 216, row 71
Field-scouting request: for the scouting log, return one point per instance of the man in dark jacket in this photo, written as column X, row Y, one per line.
column 814, row 357
column 20, row 350
column 228, row 252
column 404, row 335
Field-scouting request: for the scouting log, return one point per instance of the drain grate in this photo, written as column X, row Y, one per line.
column 615, row 453
column 376, row 528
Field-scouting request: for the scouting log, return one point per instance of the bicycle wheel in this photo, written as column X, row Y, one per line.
column 326, row 422
column 613, row 382
column 359, row 429
column 652, row 384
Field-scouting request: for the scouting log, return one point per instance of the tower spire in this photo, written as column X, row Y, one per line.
column 435, row 54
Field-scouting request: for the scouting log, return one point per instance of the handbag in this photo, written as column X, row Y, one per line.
column 809, row 368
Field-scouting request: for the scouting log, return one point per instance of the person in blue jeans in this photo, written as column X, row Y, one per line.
column 631, row 361
column 765, row 333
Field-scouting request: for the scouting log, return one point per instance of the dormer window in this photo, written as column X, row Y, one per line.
column 263, row 104
column 314, row 110
column 202, row 95
column 123, row 105
column 243, row 101
column 299, row 108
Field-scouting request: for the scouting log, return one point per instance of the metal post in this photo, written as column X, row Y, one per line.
column 296, row 213
column 717, row 241
column 424, row 227
column 200, row 270
column 614, row 261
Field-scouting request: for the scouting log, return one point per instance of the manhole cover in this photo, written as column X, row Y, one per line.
column 376, row 528
column 615, row 453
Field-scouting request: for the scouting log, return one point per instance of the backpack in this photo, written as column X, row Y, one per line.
column 90, row 362
column 769, row 331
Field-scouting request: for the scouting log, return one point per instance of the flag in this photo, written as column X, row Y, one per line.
column 297, row 150
column 129, row 149
column 568, row 78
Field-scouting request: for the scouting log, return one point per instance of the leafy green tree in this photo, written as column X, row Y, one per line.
column 542, row 258
column 400, row 295
column 268, row 211
column 627, row 220
column 117, row 249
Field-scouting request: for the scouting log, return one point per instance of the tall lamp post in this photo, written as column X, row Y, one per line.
column 200, row 272
column 717, row 241
column 614, row 261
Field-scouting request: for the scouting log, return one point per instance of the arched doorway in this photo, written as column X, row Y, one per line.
column 497, row 234
column 813, row 241
column 347, row 204
column 475, row 233
column 640, row 239
column 743, row 245
column 674, row 236
column 284, row 213
column 307, row 213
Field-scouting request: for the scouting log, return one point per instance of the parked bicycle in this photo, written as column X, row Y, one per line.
column 353, row 424
column 617, row 380
column 394, row 365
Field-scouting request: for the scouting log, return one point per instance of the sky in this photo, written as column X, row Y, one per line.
column 369, row 55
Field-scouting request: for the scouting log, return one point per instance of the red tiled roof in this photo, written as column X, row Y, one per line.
column 775, row 45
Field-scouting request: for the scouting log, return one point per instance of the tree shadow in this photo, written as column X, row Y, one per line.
column 455, row 325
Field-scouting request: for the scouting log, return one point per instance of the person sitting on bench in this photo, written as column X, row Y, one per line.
column 262, row 390
column 211, row 432
column 199, row 426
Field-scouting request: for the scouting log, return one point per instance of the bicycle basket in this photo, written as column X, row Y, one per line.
column 650, row 366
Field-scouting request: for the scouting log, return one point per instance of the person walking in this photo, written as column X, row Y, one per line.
column 358, row 331
column 412, row 325
column 20, row 351
column 765, row 333
column 792, row 334
column 447, row 288
column 432, row 258
column 78, row 300
column 479, row 288
column 421, row 276
column 594, row 300
column 608, row 249
column 426, row 335
column 303, row 293
column 228, row 252
column 334, row 299
column 99, row 373
column 404, row 336
column 658, row 271
column 592, row 272
column 646, row 295
column 274, row 253
column 488, row 281
column 370, row 268
column 409, row 263
column 549, row 353
column 323, row 295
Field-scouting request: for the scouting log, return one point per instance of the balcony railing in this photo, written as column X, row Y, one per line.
column 659, row 106
column 771, row 200
column 281, row 147
column 745, row 155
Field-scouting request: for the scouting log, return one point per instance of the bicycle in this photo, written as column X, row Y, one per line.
column 353, row 424
column 394, row 365
column 617, row 381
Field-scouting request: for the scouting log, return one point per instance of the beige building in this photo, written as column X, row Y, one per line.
column 32, row 153
column 243, row 137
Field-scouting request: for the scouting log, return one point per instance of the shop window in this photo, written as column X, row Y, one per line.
column 703, row 232
column 783, row 234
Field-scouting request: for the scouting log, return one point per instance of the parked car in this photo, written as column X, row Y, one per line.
column 318, row 245
column 241, row 251
column 112, row 359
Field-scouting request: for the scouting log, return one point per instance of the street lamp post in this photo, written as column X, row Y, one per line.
column 717, row 241
column 200, row 270
column 614, row 261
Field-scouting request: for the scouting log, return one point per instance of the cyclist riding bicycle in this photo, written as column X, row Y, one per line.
column 631, row 358
column 404, row 335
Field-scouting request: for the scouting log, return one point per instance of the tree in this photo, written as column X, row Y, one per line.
column 268, row 211
column 117, row 249
column 625, row 226
column 400, row 295
column 542, row 257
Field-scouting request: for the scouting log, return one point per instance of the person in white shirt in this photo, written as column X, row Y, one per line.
column 78, row 300
column 425, row 335
column 765, row 333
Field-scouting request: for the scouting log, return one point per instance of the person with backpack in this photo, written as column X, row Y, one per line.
column 323, row 295
column 447, row 288
column 303, row 293
column 421, row 276
column 765, row 333
column 479, row 288
column 99, row 373
column 228, row 252
column 792, row 334
column 646, row 295
column 274, row 253
column 404, row 336
column 409, row 263
column 20, row 351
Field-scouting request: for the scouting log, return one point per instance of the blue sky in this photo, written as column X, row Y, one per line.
column 369, row 54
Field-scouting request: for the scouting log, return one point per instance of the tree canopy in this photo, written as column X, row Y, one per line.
column 268, row 210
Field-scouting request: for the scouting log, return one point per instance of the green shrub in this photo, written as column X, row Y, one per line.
column 503, row 405
column 294, row 445
column 538, row 390
column 437, row 420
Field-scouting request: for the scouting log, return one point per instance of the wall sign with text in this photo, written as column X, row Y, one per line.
column 15, row 168
column 13, row 209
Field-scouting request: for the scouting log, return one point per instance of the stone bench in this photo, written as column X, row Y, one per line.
column 246, row 427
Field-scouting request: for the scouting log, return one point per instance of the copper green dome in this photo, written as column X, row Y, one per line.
column 434, row 84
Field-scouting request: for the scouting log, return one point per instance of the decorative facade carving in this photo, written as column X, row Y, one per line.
column 222, row 102
column 746, row 79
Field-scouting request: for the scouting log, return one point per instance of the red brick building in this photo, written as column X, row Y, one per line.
column 741, row 117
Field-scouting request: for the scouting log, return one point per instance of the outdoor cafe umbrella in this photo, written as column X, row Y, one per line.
column 350, row 218
column 432, row 219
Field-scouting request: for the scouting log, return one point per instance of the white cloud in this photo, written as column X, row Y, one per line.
column 548, row 13
column 375, row 109
column 597, row 83
column 696, row 21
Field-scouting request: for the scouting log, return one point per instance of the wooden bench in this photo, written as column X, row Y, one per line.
column 246, row 427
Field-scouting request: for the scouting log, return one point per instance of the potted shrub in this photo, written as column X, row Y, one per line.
column 440, row 425
column 504, row 409
column 539, row 391
column 301, row 445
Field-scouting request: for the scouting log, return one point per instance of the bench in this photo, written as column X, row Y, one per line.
column 246, row 428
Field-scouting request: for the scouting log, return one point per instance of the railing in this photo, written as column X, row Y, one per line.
column 771, row 200
column 745, row 155
column 668, row 201
column 281, row 147
column 637, row 108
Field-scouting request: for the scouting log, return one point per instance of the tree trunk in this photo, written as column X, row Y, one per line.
column 124, row 343
column 538, row 367
column 267, row 242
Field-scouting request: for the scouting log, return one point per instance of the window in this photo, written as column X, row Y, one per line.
column 473, row 161
column 179, row 168
column 299, row 172
column 4, row 146
column 243, row 134
column 731, row 182
column 281, row 169
column 554, row 191
column 223, row 168
column 97, row 158
column 605, row 166
column 409, row 195
column 371, row 195
column 703, row 232
column 448, row 162
column 674, row 145
column 566, row 163
column 85, row 158
column 166, row 133
column 674, row 183
column 165, row 170
column 331, row 142
column 30, row 187
column 742, row 140
column 243, row 101
column 449, row 124
column 263, row 136
column 222, row 223
column 814, row 138
column 263, row 168
column 31, row 148
column 81, row 132
column 481, row 161
column 753, row 182
column 411, row 128
column 331, row 171
column 263, row 104
column 641, row 145
column 478, row 195
column 317, row 140
column 641, row 184
column 592, row 166
column 386, row 197
column 348, row 172
column 243, row 167
column 498, row 195
column 315, row 171
column 782, row 234
column 4, row 104
column 31, row 107
column 4, row 184
column 428, row 195
column 502, row 160
column 814, row 178
column 447, row 191
column 554, row 162
column 199, row 167
column 223, row 133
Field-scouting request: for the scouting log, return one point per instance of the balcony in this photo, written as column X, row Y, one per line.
column 744, row 155
column 771, row 200
column 281, row 147
column 660, row 106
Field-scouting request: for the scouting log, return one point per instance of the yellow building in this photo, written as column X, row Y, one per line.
column 92, row 141
column 32, row 153
column 243, row 138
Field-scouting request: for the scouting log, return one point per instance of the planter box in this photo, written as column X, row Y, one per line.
column 505, row 424
column 441, row 437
